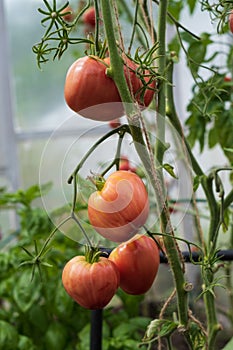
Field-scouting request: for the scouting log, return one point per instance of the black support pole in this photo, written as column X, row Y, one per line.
column 96, row 329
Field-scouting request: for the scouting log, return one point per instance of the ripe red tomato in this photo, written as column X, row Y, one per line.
column 125, row 164
column 149, row 92
column 120, row 208
column 137, row 261
column 230, row 21
column 91, row 93
column 91, row 285
column 89, row 16
column 227, row 79
column 114, row 123
column 142, row 96
column 69, row 16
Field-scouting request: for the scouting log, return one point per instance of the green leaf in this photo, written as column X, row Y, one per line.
column 191, row 4
column 63, row 304
column 84, row 336
column 196, row 182
column 56, row 337
column 8, row 336
column 196, row 52
column 130, row 327
column 224, row 128
column 26, row 291
column 229, row 345
column 38, row 317
column 228, row 149
column 159, row 328
column 174, row 45
column 170, row 169
column 212, row 138
column 25, row 343
column 175, row 8
column 197, row 336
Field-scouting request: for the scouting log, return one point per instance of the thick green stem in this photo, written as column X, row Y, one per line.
column 228, row 200
column 170, row 244
column 117, row 73
column 207, row 184
column 213, row 327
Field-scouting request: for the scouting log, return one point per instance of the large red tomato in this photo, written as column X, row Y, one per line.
column 137, row 261
column 91, row 285
column 120, row 208
column 91, row 93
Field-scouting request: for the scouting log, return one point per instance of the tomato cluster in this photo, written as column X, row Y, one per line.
column 132, row 266
column 120, row 206
column 116, row 210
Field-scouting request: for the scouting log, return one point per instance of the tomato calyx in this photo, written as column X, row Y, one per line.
column 98, row 181
column 92, row 254
column 99, row 59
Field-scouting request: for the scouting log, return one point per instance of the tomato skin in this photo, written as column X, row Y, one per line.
column 89, row 16
column 125, row 164
column 69, row 17
column 115, row 123
column 90, row 92
column 120, row 208
column 149, row 93
column 227, row 79
column 91, row 285
column 230, row 21
column 137, row 261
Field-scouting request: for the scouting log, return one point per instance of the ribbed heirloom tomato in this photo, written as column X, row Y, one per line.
column 90, row 92
column 91, row 284
column 89, row 16
column 137, row 261
column 120, row 207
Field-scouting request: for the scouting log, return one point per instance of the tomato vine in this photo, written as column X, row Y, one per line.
column 156, row 64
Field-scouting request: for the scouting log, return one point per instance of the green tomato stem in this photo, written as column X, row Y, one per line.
column 207, row 184
column 170, row 244
column 132, row 113
column 121, row 129
column 116, row 72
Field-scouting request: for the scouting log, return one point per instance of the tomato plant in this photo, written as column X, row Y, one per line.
column 91, row 282
column 137, row 261
column 150, row 52
column 90, row 92
column 120, row 207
